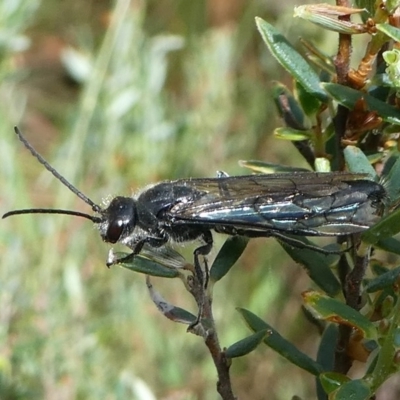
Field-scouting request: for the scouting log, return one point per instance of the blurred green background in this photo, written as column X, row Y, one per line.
column 117, row 95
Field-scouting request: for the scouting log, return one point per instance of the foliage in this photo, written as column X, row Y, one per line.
column 366, row 118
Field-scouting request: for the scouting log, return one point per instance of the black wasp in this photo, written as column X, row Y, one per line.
column 299, row 203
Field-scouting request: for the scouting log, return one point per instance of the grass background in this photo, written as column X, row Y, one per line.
column 116, row 96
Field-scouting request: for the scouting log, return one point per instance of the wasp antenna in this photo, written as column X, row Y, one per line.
column 95, row 220
column 69, row 185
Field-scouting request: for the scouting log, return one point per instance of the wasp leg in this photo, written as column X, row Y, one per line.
column 153, row 242
column 200, row 295
column 203, row 251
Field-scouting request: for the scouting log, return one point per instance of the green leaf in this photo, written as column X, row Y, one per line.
column 333, row 310
column 391, row 245
column 288, row 133
column 348, row 98
column 281, row 345
column 391, row 6
column 389, row 30
column 149, row 267
column 331, row 381
column 387, row 227
column 316, row 264
column 378, row 267
column 246, row 345
column 358, row 162
column 326, row 357
column 369, row 5
column 288, row 107
column 389, row 163
column 320, row 59
column 322, row 164
column 309, row 103
column 268, row 168
column 392, row 60
column 227, row 257
column 170, row 311
column 391, row 175
column 326, row 352
column 374, row 158
column 290, row 59
column 356, row 389
column 388, row 279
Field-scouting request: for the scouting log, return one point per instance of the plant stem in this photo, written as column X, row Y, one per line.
column 352, row 292
column 206, row 328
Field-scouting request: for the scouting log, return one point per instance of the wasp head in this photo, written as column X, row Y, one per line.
column 118, row 220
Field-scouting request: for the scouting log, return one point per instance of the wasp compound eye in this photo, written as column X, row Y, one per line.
column 120, row 219
column 114, row 231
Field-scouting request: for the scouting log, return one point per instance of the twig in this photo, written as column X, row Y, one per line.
column 205, row 327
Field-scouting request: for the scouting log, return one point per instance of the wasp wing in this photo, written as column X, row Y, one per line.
column 302, row 203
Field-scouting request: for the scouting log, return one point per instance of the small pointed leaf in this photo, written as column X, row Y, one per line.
column 378, row 267
column 391, row 245
column 246, row 345
column 268, row 168
column 322, row 164
column 326, row 353
column 147, row 266
column 348, row 98
column 316, row 264
column 358, row 162
column 290, row 59
column 386, row 280
column 331, row 381
column 355, row 389
column 387, row 227
column 330, row 309
column 392, row 178
column 326, row 357
column 279, row 344
column 389, row 30
column 292, row 134
column 227, row 257
column 309, row 103
column 288, row 107
column 170, row 311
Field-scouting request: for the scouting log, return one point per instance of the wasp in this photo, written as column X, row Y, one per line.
column 264, row 205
